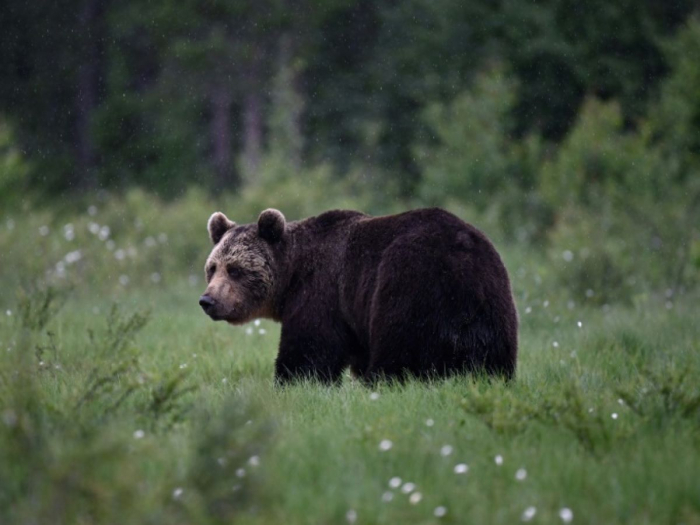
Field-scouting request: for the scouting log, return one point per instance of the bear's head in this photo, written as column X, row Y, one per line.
column 242, row 267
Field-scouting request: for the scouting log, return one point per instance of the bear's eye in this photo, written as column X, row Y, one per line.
column 210, row 271
column 234, row 272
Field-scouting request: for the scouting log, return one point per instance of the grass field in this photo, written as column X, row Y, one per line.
column 116, row 416
column 121, row 402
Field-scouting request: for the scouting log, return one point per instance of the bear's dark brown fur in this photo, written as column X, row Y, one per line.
column 420, row 293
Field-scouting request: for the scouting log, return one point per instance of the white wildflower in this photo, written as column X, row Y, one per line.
column 395, row 482
column 528, row 514
column 566, row 515
column 408, row 487
column 461, row 468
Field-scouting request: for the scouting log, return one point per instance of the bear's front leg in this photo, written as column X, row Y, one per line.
column 306, row 354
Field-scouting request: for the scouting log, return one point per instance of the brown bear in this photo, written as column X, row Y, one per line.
column 421, row 293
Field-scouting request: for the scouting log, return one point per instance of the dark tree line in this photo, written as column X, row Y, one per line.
column 106, row 94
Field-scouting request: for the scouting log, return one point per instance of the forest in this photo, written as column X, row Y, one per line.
column 553, row 120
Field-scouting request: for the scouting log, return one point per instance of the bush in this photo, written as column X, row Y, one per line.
column 623, row 216
column 472, row 162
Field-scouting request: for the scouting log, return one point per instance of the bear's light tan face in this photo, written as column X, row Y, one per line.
column 239, row 277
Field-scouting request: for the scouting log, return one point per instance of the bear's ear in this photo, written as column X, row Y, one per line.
column 218, row 225
column 271, row 225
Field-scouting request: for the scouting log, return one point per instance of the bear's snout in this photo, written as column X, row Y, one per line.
column 207, row 304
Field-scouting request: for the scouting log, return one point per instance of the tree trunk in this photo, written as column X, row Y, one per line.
column 87, row 89
column 221, row 136
column 290, row 100
column 252, row 132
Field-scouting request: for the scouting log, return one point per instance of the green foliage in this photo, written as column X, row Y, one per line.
column 676, row 118
column 599, row 163
column 665, row 394
column 37, row 306
column 474, row 158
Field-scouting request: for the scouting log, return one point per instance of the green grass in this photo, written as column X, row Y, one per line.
column 201, row 394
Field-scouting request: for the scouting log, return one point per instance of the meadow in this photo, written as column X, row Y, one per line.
column 120, row 402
